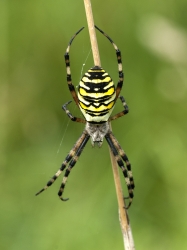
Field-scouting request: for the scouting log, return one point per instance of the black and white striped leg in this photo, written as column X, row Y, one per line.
column 125, row 159
column 109, row 137
column 73, row 118
column 120, row 68
column 71, row 165
column 68, row 158
column 68, row 70
column 122, row 113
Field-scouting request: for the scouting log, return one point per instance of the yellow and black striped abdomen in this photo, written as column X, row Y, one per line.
column 96, row 94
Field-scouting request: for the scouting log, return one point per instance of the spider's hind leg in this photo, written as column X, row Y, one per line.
column 119, row 60
column 68, row 70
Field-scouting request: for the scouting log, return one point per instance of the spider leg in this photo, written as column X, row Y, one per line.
column 120, row 68
column 125, row 159
column 66, row 161
column 73, row 118
column 67, row 62
column 71, row 165
column 124, row 112
column 119, row 155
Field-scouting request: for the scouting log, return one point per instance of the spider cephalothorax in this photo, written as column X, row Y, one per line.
column 96, row 98
column 97, row 132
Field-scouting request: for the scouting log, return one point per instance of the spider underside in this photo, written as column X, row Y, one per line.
column 96, row 99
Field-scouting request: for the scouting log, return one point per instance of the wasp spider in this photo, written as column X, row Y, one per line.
column 96, row 98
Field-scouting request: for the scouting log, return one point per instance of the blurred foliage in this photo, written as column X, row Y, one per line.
column 36, row 135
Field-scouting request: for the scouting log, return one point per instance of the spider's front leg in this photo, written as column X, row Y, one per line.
column 73, row 118
column 72, row 156
column 120, row 156
column 72, row 164
column 125, row 159
column 122, row 113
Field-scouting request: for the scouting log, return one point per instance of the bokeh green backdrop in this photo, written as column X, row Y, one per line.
column 36, row 135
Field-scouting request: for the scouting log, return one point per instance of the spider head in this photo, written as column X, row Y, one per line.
column 97, row 132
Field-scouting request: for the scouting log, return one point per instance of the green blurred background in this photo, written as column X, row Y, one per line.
column 36, row 135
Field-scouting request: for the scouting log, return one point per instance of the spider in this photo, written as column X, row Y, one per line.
column 96, row 98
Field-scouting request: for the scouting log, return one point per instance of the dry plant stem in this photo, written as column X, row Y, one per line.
column 123, row 216
column 91, row 28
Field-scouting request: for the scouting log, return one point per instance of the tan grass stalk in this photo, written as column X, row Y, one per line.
column 123, row 216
